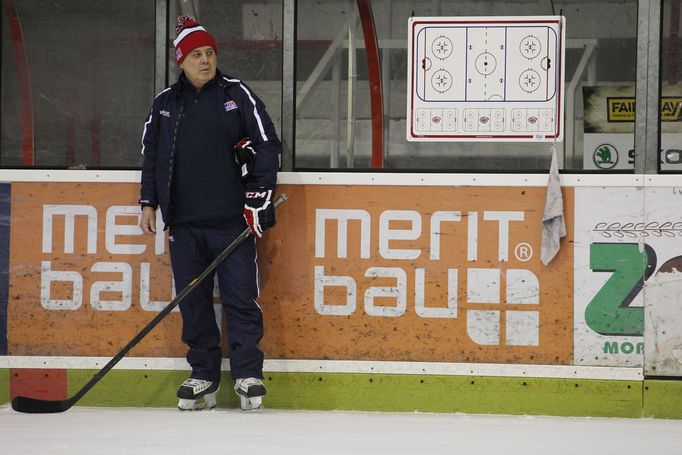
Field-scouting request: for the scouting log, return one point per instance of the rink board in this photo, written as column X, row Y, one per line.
column 440, row 272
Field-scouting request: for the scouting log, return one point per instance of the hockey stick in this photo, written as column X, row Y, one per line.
column 38, row 406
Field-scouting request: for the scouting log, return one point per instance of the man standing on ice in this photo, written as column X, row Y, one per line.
column 211, row 156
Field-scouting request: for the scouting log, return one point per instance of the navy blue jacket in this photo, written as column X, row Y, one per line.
column 242, row 114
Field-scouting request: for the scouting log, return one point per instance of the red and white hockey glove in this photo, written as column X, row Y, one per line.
column 259, row 211
column 245, row 155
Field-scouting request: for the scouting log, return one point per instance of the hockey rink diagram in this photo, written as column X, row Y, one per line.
column 488, row 79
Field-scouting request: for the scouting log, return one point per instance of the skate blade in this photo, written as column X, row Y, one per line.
column 208, row 401
column 251, row 404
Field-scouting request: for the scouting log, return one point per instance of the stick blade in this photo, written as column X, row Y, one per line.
column 37, row 406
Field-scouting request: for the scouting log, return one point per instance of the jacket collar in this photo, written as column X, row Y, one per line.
column 183, row 84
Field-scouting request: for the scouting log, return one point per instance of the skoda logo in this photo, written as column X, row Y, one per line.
column 605, row 156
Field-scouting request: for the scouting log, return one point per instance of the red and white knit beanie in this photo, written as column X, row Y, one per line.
column 190, row 36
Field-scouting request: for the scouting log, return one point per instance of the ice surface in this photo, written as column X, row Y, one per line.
column 82, row 430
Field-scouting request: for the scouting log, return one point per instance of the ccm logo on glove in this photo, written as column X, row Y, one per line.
column 259, row 213
column 258, row 194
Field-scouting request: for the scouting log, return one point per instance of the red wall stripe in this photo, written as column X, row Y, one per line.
column 24, row 80
column 375, row 92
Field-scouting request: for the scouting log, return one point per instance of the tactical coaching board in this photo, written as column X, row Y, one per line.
column 485, row 79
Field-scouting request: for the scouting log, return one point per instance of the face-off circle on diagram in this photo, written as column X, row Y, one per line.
column 529, row 81
column 442, row 47
column 486, row 63
column 530, row 47
column 441, row 81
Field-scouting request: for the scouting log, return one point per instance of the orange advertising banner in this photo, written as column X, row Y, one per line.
column 439, row 274
column 83, row 279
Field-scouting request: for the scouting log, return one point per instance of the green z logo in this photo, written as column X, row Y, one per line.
column 609, row 312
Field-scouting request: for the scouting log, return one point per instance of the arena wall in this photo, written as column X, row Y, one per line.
column 389, row 292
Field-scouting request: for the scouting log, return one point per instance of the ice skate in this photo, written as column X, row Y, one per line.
column 195, row 394
column 251, row 392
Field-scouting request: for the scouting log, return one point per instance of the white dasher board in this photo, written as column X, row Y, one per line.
column 485, row 79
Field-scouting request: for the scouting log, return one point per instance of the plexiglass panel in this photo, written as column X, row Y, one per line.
column 333, row 120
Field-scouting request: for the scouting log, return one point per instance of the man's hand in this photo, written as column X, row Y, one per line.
column 244, row 155
column 258, row 211
column 148, row 220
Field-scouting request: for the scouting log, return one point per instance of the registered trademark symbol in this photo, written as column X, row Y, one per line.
column 523, row 252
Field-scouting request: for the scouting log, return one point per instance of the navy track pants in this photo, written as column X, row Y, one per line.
column 193, row 246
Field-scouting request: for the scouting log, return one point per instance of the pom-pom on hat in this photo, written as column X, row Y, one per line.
column 190, row 36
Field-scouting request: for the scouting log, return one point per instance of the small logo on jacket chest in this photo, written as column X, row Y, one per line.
column 164, row 113
column 230, row 105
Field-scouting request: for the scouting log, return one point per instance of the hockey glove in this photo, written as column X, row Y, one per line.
column 258, row 211
column 244, row 156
